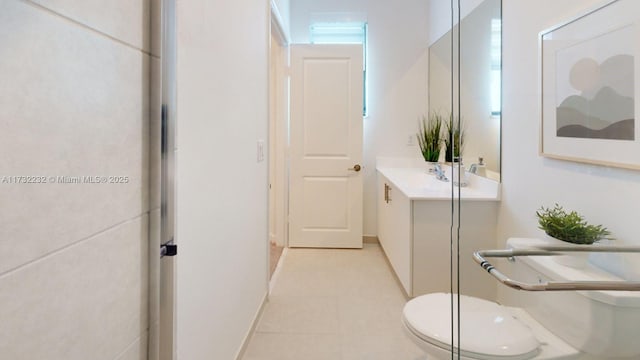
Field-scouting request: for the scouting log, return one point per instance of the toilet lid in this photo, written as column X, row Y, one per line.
column 488, row 331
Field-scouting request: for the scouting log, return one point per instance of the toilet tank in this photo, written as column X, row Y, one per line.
column 601, row 323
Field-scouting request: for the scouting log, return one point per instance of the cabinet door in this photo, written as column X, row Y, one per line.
column 431, row 247
column 401, row 238
column 394, row 230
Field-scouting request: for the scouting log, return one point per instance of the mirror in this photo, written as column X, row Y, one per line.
column 480, row 86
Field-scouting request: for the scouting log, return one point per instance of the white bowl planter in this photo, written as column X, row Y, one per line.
column 575, row 259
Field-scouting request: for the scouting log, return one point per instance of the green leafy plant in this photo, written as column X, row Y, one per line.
column 430, row 136
column 454, row 140
column 569, row 226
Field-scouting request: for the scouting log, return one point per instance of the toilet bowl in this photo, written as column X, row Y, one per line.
column 488, row 331
column 544, row 325
column 496, row 333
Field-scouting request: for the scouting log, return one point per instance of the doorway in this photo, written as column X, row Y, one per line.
column 278, row 140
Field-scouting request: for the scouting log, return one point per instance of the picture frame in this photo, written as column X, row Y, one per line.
column 589, row 70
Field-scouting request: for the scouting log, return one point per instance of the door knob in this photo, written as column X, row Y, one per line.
column 355, row 168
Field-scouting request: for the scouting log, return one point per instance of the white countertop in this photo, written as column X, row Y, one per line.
column 416, row 184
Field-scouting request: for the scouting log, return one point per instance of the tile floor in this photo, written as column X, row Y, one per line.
column 329, row 304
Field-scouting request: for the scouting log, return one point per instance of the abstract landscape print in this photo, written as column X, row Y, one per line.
column 589, row 68
column 595, row 87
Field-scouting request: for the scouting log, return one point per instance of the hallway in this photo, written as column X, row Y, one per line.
column 331, row 304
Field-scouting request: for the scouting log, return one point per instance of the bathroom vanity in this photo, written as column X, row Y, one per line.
column 415, row 215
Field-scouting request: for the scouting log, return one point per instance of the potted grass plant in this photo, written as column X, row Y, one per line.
column 564, row 227
column 430, row 139
column 454, row 140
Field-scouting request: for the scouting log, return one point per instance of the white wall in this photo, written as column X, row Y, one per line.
column 74, row 102
column 397, row 72
column 604, row 195
column 284, row 11
column 222, row 110
column 440, row 18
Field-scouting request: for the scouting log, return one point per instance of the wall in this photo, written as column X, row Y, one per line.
column 440, row 18
column 222, row 229
column 73, row 254
column 397, row 76
column 284, row 12
column 604, row 195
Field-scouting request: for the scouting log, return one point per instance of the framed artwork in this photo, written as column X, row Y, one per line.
column 589, row 71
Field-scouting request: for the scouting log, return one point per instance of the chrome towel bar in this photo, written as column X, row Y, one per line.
column 479, row 257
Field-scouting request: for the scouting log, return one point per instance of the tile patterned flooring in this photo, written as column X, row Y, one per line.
column 330, row 304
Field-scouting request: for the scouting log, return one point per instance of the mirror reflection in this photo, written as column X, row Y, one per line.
column 480, row 85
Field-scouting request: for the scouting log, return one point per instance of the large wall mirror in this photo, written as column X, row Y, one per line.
column 480, row 82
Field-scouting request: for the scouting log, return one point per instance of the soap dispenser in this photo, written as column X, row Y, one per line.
column 479, row 168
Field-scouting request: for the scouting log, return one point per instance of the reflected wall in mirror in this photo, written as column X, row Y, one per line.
column 480, row 84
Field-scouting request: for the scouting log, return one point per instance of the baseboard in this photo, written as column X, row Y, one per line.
column 247, row 338
column 368, row 239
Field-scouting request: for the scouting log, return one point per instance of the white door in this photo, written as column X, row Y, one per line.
column 325, row 207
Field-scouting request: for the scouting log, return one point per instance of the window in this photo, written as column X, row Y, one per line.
column 344, row 33
column 496, row 66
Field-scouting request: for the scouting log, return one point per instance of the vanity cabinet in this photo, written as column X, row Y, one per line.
column 394, row 229
column 415, row 234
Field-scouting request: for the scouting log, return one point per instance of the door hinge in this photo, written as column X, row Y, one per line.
column 168, row 249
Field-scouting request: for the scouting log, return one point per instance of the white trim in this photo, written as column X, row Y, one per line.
column 278, row 141
column 252, row 329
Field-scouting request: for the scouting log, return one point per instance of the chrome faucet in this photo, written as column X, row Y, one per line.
column 473, row 168
column 440, row 173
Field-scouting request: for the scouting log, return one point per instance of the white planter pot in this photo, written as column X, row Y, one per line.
column 575, row 259
column 459, row 175
column 431, row 167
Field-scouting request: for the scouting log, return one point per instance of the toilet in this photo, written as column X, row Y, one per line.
column 545, row 325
